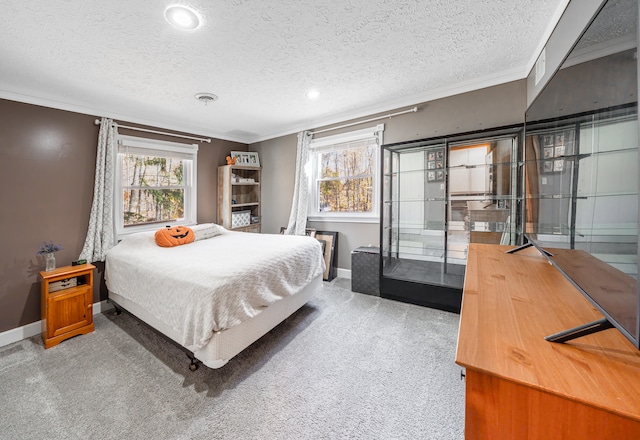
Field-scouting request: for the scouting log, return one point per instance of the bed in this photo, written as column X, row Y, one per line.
column 217, row 295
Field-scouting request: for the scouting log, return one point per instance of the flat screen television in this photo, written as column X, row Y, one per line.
column 581, row 170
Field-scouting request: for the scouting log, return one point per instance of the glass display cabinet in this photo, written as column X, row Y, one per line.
column 438, row 196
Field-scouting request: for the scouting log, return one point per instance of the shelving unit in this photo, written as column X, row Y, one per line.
column 239, row 198
column 66, row 312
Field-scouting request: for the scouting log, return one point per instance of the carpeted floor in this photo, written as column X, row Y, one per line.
column 345, row 366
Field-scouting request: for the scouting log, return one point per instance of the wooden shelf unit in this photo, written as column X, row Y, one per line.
column 520, row 386
column 235, row 196
column 67, row 312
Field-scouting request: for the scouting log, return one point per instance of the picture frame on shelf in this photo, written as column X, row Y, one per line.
column 558, row 165
column 246, row 158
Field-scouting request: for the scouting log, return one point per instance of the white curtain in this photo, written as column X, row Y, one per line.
column 101, row 235
column 298, row 217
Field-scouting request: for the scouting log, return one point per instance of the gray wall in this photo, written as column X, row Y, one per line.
column 47, row 163
column 478, row 110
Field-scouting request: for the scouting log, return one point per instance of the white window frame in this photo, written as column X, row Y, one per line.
column 330, row 143
column 151, row 147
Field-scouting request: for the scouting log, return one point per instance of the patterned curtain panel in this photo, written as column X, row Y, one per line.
column 101, row 235
column 299, row 207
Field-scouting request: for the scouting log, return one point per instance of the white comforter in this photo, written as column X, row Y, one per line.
column 213, row 284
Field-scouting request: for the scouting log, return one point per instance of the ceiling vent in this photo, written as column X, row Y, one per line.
column 206, row 97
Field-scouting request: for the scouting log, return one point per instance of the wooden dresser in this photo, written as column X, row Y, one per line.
column 520, row 386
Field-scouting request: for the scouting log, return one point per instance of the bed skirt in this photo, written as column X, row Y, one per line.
column 227, row 343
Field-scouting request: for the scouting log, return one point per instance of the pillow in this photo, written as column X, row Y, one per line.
column 206, row 230
column 169, row 237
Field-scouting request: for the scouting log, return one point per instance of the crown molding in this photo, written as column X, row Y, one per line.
column 443, row 92
column 439, row 93
column 120, row 117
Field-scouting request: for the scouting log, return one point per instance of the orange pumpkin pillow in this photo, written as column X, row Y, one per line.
column 169, row 237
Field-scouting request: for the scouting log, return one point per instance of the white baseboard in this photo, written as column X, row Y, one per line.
column 344, row 273
column 20, row 333
column 35, row 328
column 102, row 306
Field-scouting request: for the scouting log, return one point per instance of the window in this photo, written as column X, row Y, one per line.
column 344, row 176
column 155, row 184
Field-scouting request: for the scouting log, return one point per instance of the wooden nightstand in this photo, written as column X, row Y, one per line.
column 67, row 303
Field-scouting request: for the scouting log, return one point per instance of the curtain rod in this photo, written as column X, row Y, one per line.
column 97, row 121
column 411, row 110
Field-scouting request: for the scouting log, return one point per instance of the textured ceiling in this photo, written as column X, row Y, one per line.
column 120, row 58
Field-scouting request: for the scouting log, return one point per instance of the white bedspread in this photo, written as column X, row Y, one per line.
column 213, row 284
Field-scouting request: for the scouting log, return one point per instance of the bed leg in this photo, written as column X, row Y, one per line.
column 118, row 309
column 195, row 363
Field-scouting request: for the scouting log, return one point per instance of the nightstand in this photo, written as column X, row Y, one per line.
column 67, row 303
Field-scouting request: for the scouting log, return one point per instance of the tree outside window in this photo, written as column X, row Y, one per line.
column 345, row 182
column 154, row 184
column 152, row 189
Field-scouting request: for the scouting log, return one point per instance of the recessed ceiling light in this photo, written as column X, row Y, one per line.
column 182, row 17
column 312, row 94
column 206, row 97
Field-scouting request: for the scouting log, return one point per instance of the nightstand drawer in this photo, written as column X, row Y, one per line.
column 63, row 284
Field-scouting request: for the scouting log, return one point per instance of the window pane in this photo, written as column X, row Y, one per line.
column 152, row 205
column 151, row 171
column 152, row 189
column 353, row 161
column 346, row 195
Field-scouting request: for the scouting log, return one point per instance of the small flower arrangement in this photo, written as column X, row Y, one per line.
column 48, row 248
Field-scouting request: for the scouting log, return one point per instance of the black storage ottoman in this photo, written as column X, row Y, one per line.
column 365, row 270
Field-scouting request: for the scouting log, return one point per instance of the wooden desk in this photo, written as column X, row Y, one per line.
column 519, row 386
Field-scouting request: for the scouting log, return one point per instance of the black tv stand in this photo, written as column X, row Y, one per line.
column 528, row 245
column 579, row 331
